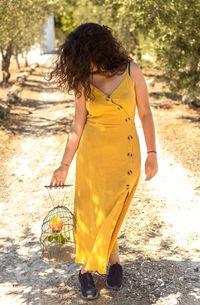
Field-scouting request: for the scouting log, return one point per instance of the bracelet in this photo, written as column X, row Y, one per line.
column 65, row 164
column 152, row 151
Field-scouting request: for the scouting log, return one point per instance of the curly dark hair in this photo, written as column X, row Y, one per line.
column 88, row 44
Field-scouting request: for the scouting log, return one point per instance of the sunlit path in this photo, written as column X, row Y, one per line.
column 159, row 239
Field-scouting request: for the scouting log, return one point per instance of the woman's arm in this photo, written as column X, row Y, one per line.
column 60, row 174
column 145, row 115
column 75, row 130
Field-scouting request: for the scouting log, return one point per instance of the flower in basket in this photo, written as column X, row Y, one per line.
column 56, row 224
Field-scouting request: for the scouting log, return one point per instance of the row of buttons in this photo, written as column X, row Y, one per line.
column 129, row 154
column 127, row 119
column 129, row 137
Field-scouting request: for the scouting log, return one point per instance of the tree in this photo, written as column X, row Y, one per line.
column 177, row 36
column 170, row 27
column 173, row 27
column 98, row 11
column 21, row 24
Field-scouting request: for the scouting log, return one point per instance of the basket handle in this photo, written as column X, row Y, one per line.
column 58, row 185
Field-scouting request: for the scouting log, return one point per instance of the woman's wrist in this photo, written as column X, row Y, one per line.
column 64, row 164
column 152, row 151
column 152, row 154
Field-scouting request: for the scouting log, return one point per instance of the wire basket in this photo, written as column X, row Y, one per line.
column 57, row 233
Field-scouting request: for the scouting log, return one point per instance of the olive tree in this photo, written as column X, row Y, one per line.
column 21, row 24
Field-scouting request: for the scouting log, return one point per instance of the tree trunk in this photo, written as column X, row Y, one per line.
column 26, row 62
column 191, row 92
column 6, row 56
column 17, row 59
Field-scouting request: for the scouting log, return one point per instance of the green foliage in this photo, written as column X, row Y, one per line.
column 173, row 27
column 102, row 12
column 64, row 18
column 58, row 237
column 21, row 21
column 177, row 46
column 21, row 24
column 166, row 29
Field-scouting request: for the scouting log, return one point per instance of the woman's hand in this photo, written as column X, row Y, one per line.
column 59, row 176
column 151, row 166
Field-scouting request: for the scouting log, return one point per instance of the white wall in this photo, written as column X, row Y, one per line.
column 48, row 41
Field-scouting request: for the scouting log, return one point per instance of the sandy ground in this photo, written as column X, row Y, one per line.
column 159, row 239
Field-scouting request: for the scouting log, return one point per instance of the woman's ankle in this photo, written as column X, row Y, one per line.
column 114, row 258
column 83, row 270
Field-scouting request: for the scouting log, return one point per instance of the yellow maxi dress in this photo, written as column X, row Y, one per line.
column 108, row 167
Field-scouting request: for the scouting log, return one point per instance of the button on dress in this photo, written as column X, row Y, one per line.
column 108, row 167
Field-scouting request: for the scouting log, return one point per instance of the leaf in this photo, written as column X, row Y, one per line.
column 45, row 238
column 50, row 238
column 59, row 237
column 63, row 239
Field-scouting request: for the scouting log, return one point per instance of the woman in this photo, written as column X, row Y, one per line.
column 108, row 85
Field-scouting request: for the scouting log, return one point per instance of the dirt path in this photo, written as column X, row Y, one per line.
column 159, row 239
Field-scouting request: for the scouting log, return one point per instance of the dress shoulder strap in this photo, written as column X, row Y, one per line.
column 129, row 68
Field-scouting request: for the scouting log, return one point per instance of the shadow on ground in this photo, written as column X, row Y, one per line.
column 145, row 280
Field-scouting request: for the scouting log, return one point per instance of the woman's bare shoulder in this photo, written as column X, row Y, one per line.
column 136, row 72
column 80, row 108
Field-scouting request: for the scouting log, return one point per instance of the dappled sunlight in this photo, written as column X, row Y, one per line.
column 100, row 217
column 172, row 181
column 181, row 210
column 159, row 238
column 100, row 239
column 171, row 299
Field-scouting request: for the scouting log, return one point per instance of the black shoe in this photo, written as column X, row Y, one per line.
column 114, row 277
column 88, row 289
